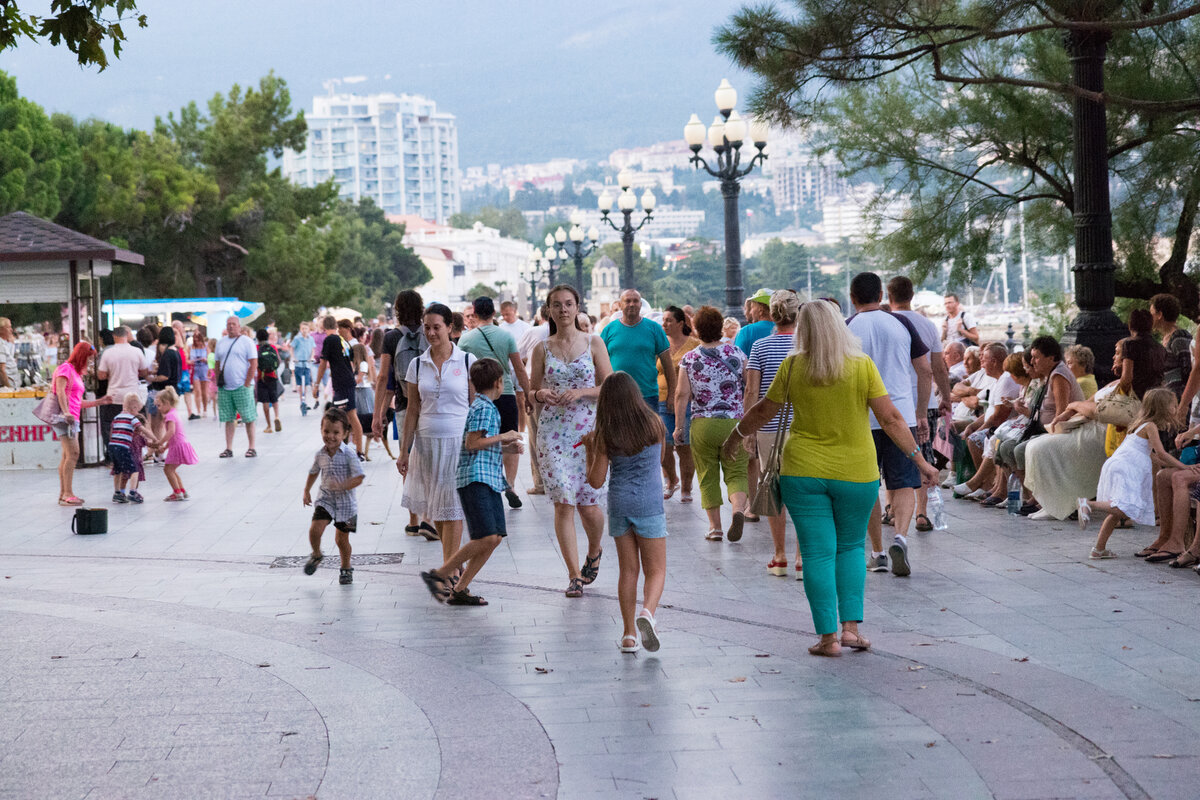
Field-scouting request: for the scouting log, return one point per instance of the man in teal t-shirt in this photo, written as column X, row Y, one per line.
column 634, row 343
column 758, row 322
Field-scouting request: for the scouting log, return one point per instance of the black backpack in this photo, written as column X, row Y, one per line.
column 268, row 358
column 410, row 345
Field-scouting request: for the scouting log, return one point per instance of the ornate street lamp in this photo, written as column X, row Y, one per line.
column 554, row 257
column 577, row 245
column 726, row 135
column 534, row 270
column 627, row 203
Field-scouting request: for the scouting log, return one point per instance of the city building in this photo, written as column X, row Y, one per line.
column 847, row 217
column 606, row 282
column 397, row 150
column 658, row 157
column 802, row 179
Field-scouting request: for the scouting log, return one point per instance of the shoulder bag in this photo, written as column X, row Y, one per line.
column 1117, row 409
column 768, row 498
column 48, row 411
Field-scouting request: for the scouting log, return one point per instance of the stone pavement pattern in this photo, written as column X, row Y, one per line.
column 169, row 659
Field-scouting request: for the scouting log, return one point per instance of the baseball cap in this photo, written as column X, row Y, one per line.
column 763, row 296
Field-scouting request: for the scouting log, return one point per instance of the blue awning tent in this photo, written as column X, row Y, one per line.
column 210, row 312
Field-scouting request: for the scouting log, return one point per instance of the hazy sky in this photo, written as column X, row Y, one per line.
column 527, row 80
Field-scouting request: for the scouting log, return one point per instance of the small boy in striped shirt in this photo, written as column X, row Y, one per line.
column 125, row 427
column 341, row 473
column 481, row 485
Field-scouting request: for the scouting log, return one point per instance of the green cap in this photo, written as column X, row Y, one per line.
column 763, row 296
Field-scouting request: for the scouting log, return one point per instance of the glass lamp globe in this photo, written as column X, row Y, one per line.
column 726, row 96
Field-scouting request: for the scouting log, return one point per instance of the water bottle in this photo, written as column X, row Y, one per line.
column 936, row 509
column 1014, row 495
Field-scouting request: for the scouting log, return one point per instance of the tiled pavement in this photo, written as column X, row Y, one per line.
column 169, row 659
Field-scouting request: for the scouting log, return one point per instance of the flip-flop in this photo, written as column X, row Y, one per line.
column 669, row 492
column 1161, row 556
column 70, row 500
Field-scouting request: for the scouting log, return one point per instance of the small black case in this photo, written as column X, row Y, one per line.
column 90, row 520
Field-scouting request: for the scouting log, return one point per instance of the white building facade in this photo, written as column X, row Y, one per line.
column 397, row 150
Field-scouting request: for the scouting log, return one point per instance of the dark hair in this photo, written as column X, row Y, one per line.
column 1167, row 305
column 336, row 414
column 625, row 425
column 948, row 295
column 708, row 322
column 328, row 323
column 457, row 322
column 900, row 289
column 409, row 307
column 484, row 373
column 1047, row 346
column 866, row 287
column 376, row 343
column 167, row 337
column 442, row 310
column 484, row 307
column 677, row 314
column 144, row 337
column 106, row 337
column 345, row 323
column 562, row 287
column 1140, row 321
column 262, row 335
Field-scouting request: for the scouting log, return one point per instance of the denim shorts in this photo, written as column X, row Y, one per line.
column 151, row 408
column 483, row 510
column 668, row 419
column 654, row 527
column 898, row 470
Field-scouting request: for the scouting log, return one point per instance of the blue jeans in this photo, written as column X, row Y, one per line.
column 830, row 518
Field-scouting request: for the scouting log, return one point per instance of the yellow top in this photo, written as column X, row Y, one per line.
column 676, row 356
column 1088, row 384
column 831, row 434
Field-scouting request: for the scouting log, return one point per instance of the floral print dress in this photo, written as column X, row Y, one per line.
column 716, row 378
column 563, row 465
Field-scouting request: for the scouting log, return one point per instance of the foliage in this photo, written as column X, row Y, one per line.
column 1051, row 313
column 39, row 160
column 81, row 26
column 481, row 289
column 509, row 221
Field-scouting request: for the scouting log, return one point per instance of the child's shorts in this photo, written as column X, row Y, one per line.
column 483, row 510
column 122, row 460
column 321, row 514
column 654, row 527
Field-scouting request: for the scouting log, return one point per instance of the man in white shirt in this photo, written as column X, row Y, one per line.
column 997, row 389
column 237, row 367
column 511, row 322
column 955, row 355
column 960, row 324
column 898, row 352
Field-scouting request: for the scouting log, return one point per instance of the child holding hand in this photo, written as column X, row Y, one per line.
column 129, row 434
column 341, row 473
column 179, row 449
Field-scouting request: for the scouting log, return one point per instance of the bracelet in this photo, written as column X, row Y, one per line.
column 738, row 429
column 913, row 454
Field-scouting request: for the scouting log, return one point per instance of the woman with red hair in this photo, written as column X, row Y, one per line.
column 68, row 388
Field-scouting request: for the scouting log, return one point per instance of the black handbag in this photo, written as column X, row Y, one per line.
column 1035, row 426
column 90, row 520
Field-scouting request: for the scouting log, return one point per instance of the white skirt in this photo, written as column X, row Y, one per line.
column 430, row 488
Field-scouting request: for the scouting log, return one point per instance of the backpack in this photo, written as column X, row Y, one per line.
column 410, row 345
column 268, row 358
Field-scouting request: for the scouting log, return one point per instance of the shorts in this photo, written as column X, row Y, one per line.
column 652, row 402
column 483, row 510
column 667, row 415
column 151, row 407
column 344, row 401
column 232, row 402
column 65, row 430
column 321, row 514
column 654, row 527
column 897, row 469
column 267, row 390
column 122, row 460
column 506, row 404
column 301, row 375
column 199, row 372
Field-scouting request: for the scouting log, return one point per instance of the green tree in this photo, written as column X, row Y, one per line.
column 779, row 265
column 370, row 253
column 39, row 158
column 481, row 289
column 84, row 27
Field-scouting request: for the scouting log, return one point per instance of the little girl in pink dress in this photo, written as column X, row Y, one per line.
column 179, row 449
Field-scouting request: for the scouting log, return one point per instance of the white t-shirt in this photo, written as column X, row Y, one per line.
column 233, row 359
column 518, row 328
column 931, row 336
column 958, row 373
column 1003, row 388
column 984, row 383
column 121, row 363
column 890, row 345
column 968, row 322
column 532, row 338
column 445, row 394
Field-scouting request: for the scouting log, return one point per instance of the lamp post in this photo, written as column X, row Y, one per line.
column 534, row 270
column 627, row 203
column 577, row 245
column 554, row 258
column 726, row 135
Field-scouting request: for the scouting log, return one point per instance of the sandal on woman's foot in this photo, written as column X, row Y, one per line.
column 412, row 530
column 251, row 453
column 628, row 644
column 669, row 492
column 923, row 523
column 462, row 597
column 685, row 496
column 735, row 526
column 832, row 649
column 574, row 588
column 715, row 535
column 1101, row 554
column 855, row 642
column 1149, row 551
column 886, row 518
column 226, row 454
column 70, row 500
column 1161, row 556
column 590, row 568
column 648, row 628
column 1185, row 560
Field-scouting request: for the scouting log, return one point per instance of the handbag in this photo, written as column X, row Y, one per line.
column 1035, row 426
column 88, row 521
column 185, row 382
column 49, row 411
column 768, row 498
column 1117, row 409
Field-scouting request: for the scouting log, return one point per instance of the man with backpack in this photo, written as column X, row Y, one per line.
column 267, row 388
column 335, row 358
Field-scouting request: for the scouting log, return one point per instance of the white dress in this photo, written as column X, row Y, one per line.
column 1126, row 480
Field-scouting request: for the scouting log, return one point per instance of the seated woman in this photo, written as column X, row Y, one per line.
column 988, row 483
column 1082, row 363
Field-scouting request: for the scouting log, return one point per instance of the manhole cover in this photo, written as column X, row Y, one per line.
column 333, row 562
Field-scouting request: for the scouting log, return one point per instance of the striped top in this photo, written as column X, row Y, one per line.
column 765, row 356
column 123, row 427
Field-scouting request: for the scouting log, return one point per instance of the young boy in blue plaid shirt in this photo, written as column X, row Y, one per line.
column 341, row 473
column 481, row 484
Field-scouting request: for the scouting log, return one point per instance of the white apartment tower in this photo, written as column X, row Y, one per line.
column 398, row 150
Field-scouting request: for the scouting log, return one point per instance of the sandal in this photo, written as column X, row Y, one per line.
column 590, row 568
column 462, row 597
column 923, row 523
column 685, row 496
column 251, row 453
column 886, row 518
column 412, row 530
column 669, row 492
column 628, row 644
column 1185, row 560
column 310, row 566
column 831, row 649
column 715, row 535
column 70, row 500
column 575, row 588
column 1149, row 551
column 436, row 585
column 857, row 642
column 751, row 517
column 226, row 454
column 1161, row 556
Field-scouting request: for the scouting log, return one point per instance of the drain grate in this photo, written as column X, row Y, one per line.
column 333, row 562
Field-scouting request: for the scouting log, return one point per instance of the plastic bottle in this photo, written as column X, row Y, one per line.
column 1014, row 495
column 935, row 508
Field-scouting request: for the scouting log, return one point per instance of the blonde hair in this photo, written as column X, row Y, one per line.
column 823, row 336
column 166, row 398
column 785, row 304
column 133, row 400
column 1158, row 406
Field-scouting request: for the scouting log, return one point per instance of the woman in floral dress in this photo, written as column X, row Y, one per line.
column 566, row 374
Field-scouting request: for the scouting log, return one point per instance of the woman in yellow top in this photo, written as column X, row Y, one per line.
column 679, row 334
column 830, row 478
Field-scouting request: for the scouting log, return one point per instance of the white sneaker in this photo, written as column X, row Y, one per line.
column 979, row 494
column 1041, row 514
column 949, row 482
column 961, row 490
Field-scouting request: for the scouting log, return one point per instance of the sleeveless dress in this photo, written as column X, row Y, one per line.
column 564, row 466
column 1126, row 480
column 179, row 449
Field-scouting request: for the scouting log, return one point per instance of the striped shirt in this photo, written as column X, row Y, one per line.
column 123, row 427
column 335, row 469
column 765, row 356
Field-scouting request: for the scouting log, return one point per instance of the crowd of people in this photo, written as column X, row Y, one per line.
column 621, row 411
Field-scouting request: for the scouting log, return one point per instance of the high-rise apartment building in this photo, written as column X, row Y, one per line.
column 398, row 150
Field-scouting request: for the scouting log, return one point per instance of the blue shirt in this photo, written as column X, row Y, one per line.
column 483, row 465
column 302, row 349
column 749, row 334
column 634, row 349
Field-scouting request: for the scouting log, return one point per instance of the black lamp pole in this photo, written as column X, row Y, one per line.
column 627, row 204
